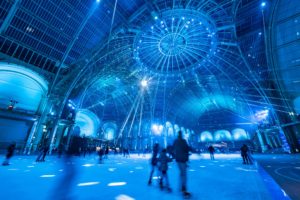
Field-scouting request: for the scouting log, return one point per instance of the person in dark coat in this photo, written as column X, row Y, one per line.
column 181, row 155
column 244, row 154
column 153, row 161
column 106, row 151
column 163, row 161
column 101, row 153
column 10, row 153
column 45, row 151
column 211, row 150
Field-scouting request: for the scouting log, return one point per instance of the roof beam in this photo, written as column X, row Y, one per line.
column 70, row 46
column 10, row 16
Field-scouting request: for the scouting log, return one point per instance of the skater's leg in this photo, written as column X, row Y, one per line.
column 151, row 174
column 182, row 168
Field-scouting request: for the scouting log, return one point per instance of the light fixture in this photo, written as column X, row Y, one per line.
column 144, row 83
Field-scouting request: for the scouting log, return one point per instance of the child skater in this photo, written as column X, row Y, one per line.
column 163, row 160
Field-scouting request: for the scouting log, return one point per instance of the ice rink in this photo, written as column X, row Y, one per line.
column 120, row 178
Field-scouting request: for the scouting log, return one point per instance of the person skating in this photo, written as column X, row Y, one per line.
column 106, row 151
column 211, row 150
column 153, row 161
column 244, row 154
column 181, row 155
column 9, row 154
column 163, row 161
column 101, row 153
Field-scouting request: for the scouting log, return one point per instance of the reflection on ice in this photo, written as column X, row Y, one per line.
column 47, row 176
column 87, row 184
column 116, row 184
column 124, row 197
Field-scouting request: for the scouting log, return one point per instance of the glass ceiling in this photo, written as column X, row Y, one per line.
column 199, row 57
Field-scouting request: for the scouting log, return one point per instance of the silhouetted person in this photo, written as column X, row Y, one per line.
column 244, row 154
column 126, row 152
column 163, row 160
column 181, row 154
column 45, row 151
column 106, row 152
column 9, row 154
column 153, row 161
column 211, row 150
column 101, row 153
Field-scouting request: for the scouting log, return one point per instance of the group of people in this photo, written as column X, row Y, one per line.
column 245, row 153
column 160, row 160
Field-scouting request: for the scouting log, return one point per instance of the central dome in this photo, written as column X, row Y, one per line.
column 178, row 40
column 172, row 44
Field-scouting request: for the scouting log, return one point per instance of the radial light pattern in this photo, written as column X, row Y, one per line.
column 178, row 40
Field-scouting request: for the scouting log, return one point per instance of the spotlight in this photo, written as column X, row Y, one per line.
column 263, row 4
column 144, row 83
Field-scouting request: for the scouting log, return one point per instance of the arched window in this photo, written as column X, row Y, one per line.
column 206, row 136
column 222, row 135
column 239, row 134
column 22, row 85
column 88, row 122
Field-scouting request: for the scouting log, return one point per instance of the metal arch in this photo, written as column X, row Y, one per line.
column 271, row 57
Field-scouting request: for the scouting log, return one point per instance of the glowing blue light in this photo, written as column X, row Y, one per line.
column 22, row 85
column 263, row 4
column 47, row 176
column 98, row 1
column 110, row 133
column 157, row 129
column 87, row 184
column 239, row 134
column 261, row 115
column 206, row 136
column 144, row 83
column 116, row 184
column 222, row 135
column 124, row 197
column 88, row 122
column 175, row 47
column 155, row 17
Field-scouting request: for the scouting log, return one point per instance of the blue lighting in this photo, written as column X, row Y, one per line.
column 263, row 4
column 88, row 122
column 175, row 40
column 222, row 135
column 21, row 85
column 157, row 129
column 206, row 136
column 239, row 134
